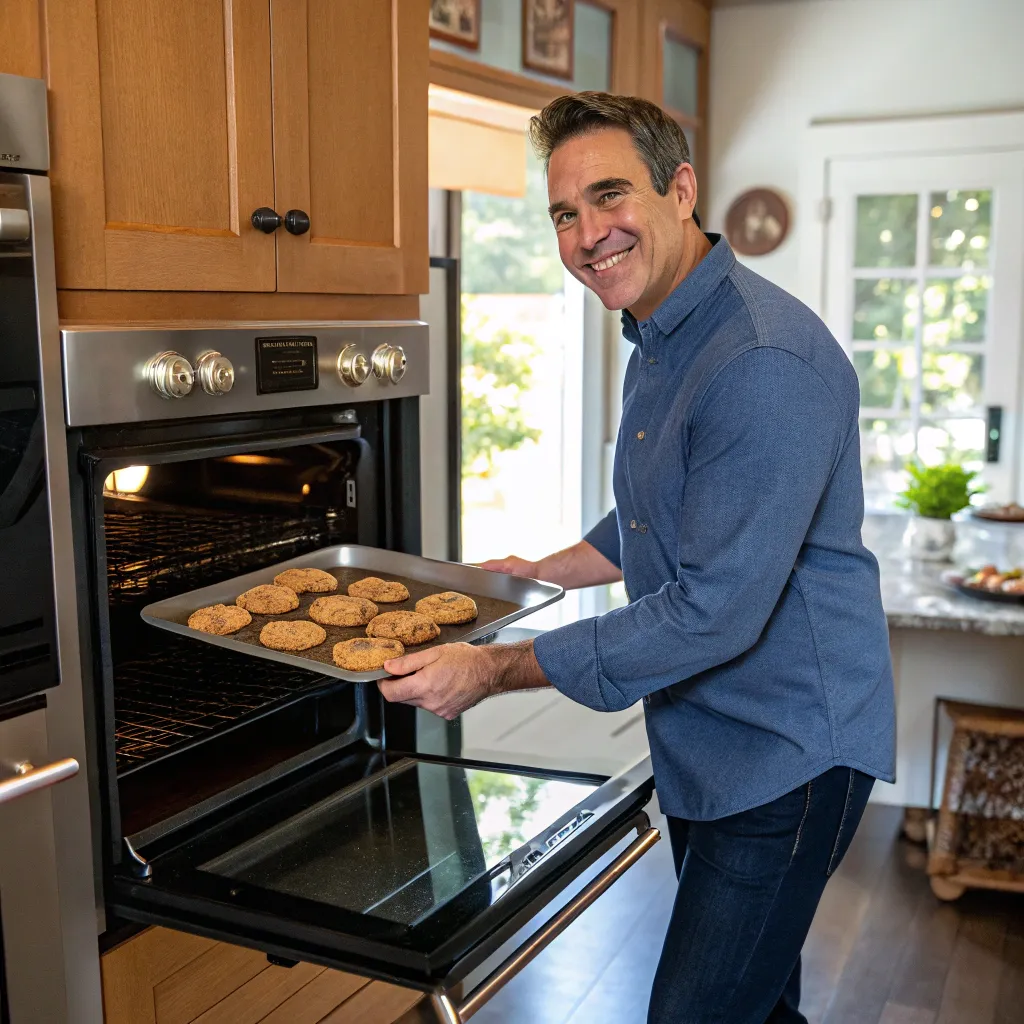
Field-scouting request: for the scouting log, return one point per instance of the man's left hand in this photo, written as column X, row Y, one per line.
column 446, row 680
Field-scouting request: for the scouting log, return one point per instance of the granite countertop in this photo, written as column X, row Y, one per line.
column 914, row 596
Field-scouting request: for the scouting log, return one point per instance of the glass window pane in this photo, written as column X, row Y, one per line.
column 886, row 377
column 960, row 441
column 886, row 231
column 884, row 309
column 886, row 445
column 592, row 48
column 960, row 225
column 950, row 382
column 679, row 84
column 955, row 309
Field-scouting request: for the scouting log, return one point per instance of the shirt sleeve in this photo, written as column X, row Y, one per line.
column 764, row 440
column 605, row 537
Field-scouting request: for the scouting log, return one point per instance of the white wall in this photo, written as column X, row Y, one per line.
column 776, row 67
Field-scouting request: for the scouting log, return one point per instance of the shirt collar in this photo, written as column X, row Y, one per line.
column 689, row 293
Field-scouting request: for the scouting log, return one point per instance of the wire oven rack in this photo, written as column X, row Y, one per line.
column 180, row 694
column 154, row 552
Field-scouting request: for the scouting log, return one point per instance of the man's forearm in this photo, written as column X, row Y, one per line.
column 516, row 668
column 581, row 565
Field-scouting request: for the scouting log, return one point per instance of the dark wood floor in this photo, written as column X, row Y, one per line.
column 882, row 949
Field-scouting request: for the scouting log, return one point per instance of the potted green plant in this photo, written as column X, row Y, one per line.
column 934, row 494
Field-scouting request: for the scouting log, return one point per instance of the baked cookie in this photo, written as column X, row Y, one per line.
column 409, row 627
column 366, row 655
column 447, row 608
column 340, row 610
column 219, row 619
column 292, row 635
column 379, row 591
column 307, row 581
column 268, row 599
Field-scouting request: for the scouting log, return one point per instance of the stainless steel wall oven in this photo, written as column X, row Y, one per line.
column 256, row 802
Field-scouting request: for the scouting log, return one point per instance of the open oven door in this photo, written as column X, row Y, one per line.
column 406, row 868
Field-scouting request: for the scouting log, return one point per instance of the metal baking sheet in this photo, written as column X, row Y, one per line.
column 500, row 600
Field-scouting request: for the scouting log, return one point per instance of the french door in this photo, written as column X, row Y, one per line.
column 924, row 275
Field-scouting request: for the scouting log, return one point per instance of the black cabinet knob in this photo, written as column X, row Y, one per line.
column 266, row 220
column 296, row 222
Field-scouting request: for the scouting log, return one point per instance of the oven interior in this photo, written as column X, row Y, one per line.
column 187, row 727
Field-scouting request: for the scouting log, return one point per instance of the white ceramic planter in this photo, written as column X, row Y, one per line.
column 929, row 540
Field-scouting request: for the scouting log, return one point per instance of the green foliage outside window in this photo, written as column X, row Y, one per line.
column 521, row 796
column 509, row 245
column 496, row 370
column 938, row 492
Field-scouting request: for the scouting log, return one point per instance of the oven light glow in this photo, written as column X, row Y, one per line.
column 256, row 460
column 305, row 488
column 129, row 480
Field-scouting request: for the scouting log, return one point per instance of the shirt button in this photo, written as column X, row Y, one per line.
column 643, row 528
column 652, row 360
column 632, row 524
column 640, row 435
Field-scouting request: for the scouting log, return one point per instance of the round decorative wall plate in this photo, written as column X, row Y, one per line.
column 757, row 222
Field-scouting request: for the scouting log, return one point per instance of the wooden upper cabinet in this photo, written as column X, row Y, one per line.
column 172, row 122
column 350, row 144
column 162, row 143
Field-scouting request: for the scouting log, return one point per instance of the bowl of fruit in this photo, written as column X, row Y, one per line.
column 992, row 584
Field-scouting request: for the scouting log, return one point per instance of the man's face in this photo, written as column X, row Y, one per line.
column 615, row 233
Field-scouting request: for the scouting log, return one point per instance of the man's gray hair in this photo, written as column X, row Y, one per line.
column 658, row 139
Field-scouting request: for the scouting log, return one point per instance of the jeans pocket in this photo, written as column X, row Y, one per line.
column 844, row 834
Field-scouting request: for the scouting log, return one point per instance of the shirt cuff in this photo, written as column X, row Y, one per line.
column 568, row 657
column 605, row 537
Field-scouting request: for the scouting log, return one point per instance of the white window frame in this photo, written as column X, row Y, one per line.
column 948, row 136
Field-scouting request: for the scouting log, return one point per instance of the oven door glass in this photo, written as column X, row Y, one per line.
column 407, row 873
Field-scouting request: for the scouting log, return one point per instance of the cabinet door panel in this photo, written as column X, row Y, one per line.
column 350, row 144
column 162, row 144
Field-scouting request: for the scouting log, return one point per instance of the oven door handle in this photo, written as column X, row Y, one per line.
column 450, row 1013
column 28, row 779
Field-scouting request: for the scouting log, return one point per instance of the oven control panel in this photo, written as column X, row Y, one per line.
column 132, row 375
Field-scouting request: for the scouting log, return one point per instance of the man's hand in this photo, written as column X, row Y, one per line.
column 452, row 678
column 513, row 566
column 581, row 565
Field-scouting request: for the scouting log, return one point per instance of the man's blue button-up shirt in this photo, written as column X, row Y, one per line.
column 754, row 630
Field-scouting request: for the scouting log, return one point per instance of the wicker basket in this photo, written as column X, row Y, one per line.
column 978, row 836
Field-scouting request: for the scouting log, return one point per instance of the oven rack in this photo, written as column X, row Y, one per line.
column 159, row 551
column 183, row 693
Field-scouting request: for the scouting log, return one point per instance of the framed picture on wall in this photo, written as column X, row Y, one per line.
column 548, row 37
column 456, row 21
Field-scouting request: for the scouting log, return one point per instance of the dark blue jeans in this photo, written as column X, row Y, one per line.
column 749, row 885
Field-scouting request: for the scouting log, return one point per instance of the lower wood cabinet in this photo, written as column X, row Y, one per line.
column 162, row 976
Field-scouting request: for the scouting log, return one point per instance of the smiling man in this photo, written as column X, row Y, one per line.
column 754, row 633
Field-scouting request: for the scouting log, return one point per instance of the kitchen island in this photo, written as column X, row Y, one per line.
column 944, row 644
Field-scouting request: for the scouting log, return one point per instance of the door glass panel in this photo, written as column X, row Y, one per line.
column 955, row 308
column 960, row 226
column 886, row 444
column 884, row 309
column 680, row 76
column 592, row 43
column 952, row 440
column 886, row 231
column 405, row 844
column 886, row 378
column 950, row 382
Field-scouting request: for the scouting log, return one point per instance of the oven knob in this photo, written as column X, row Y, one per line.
column 389, row 362
column 170, row 375
column 353, row 367
column 215, row 372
